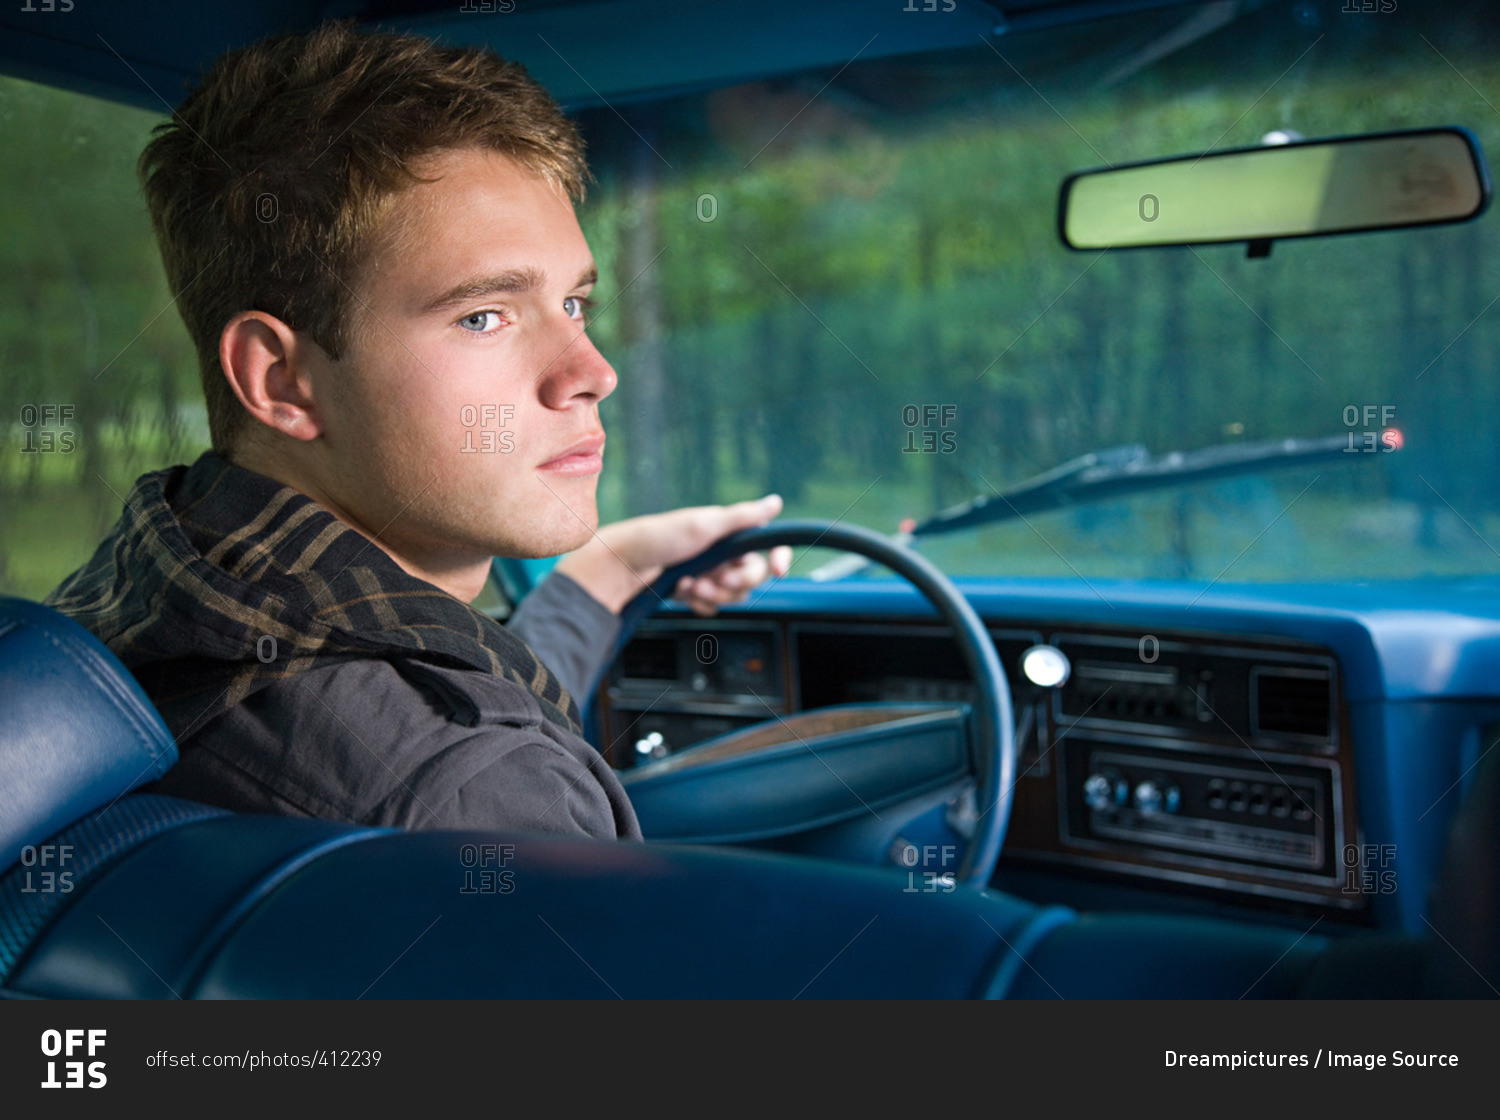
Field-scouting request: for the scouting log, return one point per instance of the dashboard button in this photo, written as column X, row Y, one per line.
column 1216, row 793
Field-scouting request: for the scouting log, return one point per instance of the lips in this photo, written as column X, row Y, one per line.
column 584, row 457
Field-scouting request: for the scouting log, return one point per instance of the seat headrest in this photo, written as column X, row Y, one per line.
column 76, row 731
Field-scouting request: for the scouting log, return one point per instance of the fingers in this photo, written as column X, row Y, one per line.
column 732, row 581
column 729, row 582
column 705, row 596
column 720, row 521
column 755, row 512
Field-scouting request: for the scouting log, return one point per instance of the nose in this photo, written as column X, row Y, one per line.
column 578, row 372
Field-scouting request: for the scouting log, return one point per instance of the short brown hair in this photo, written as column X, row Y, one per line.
column 267, row 184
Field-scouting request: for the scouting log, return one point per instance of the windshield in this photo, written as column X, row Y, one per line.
column 847, row 286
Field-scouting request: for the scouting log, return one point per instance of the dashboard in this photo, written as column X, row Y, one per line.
column 1292, row 752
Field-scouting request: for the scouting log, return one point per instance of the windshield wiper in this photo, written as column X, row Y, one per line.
column 1112, row 473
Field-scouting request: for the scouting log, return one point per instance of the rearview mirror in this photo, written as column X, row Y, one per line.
column 1347, row 184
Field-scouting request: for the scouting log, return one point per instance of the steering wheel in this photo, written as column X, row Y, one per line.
column 989, row 736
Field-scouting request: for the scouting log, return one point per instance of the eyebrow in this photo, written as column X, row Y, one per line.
column 515, row 281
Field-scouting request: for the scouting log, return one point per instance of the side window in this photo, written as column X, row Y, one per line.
column 98, row 380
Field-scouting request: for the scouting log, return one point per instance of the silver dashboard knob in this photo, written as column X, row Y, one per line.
column 1046, row 666
column 1098, row 792
column 1148, row 797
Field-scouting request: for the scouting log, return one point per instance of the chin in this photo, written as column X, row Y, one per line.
column 553, row 540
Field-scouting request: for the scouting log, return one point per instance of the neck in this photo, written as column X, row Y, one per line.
column 463, row 579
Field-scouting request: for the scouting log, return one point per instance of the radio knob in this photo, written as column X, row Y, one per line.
column 1148, row 797
column 1098, row 792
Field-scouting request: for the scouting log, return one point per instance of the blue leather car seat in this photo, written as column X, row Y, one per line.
column 169, row 898
column 78, row 731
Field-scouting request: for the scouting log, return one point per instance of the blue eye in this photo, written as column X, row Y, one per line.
column 577, row 307
column 480, row 322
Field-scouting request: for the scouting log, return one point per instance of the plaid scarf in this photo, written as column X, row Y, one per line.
column 217, row 581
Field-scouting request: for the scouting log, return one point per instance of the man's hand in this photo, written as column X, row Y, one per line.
column 625, row 558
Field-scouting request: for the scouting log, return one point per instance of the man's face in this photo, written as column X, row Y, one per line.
column 463, row 421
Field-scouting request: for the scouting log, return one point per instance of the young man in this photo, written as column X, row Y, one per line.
column 372, row 242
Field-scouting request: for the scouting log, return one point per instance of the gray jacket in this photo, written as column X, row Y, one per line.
column 399, row 742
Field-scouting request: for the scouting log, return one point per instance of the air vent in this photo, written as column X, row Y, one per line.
column 1293, row 702
column 650, row 659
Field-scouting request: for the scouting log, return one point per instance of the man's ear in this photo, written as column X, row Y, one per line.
column 268, row 366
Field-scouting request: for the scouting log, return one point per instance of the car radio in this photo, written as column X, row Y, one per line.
column 1217, row 764
column 1203, row 801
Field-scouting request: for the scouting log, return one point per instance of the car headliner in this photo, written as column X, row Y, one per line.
column 584, row 51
